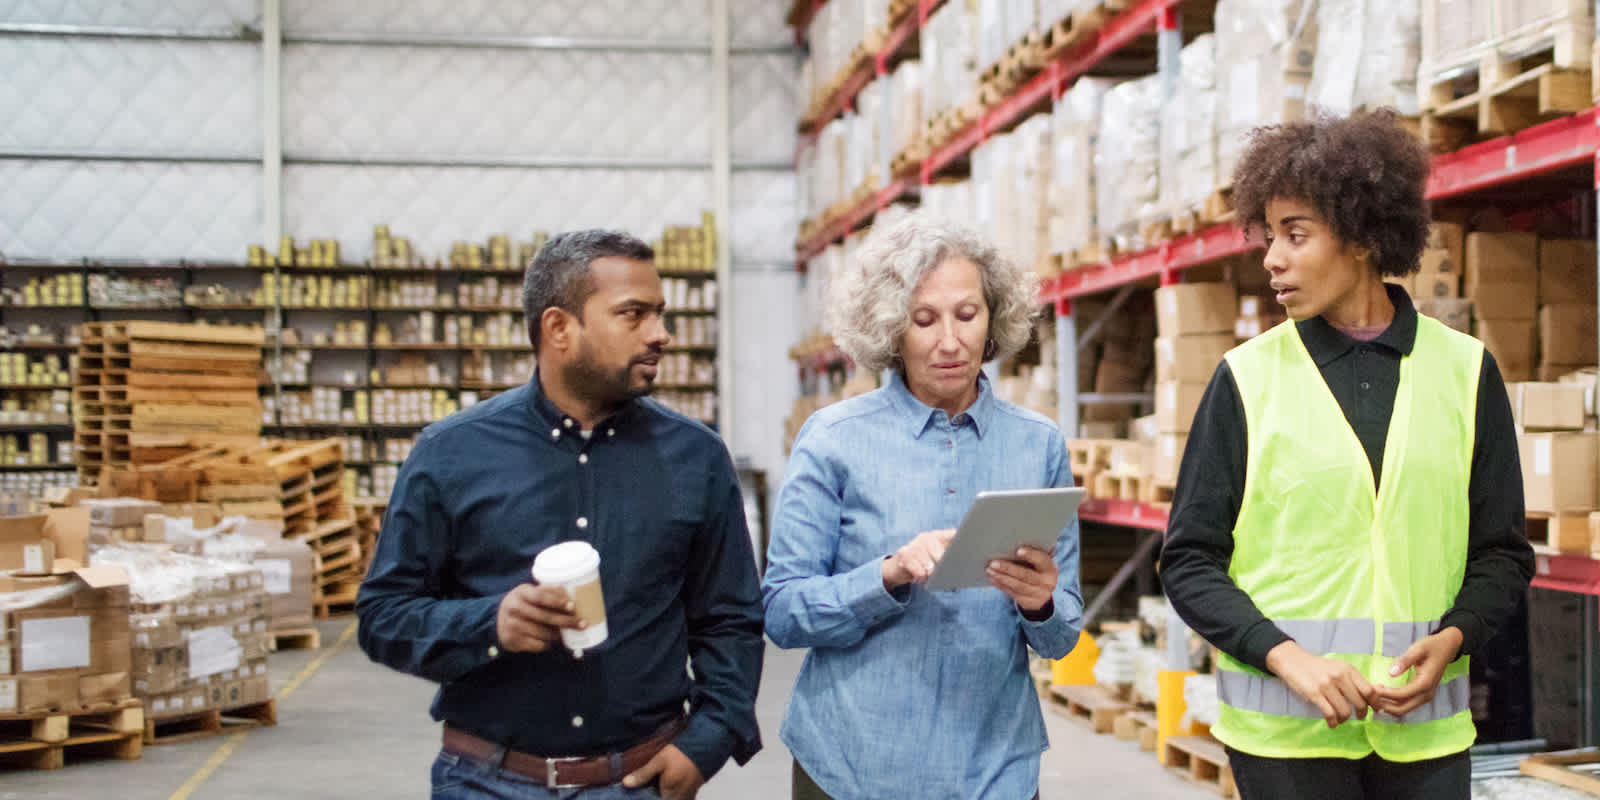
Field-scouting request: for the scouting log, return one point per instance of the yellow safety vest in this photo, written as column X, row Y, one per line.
column 1348, row 571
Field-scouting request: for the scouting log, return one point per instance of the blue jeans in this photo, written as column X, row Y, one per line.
column 461, row 778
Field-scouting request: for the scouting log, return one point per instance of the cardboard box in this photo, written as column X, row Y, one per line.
column 1167, row 457
column 1435, row 284
column 1512, row 343
column 1191, row 308
column 1588, row 378
column 1558, row 471
column 47, row 693
column 68, row 528
column 1455, row 313
column 1566, row 270
column 119, row 512
column 23, row 546
column 1567, row 334
column 1553, row 373
column 1501, row 299
column 1547, row 406
column 1176, row 404
column 1500, row 258
column 1446, row 240
column 98, row 690
column 1192, row 359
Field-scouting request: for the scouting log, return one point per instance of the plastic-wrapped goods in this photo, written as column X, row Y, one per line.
column 952, row 200
column 1117, row 663
column 1189, row 131
column 906, row 109
column 1265, row 50
column 1367, row 55
column 1517, row 20
column 1127, row 161
column 866, row 136
column 992, row 41
column 1032, row 175
column 1053, row 11
column 1454, row 32
column 1076, row 125
column 949, row 46
column 991, row 188
column 1200, row 696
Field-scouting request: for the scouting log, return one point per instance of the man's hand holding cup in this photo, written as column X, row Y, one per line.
column 531, row 618
column 564, row 603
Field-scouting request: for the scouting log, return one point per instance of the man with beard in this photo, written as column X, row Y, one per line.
column 576, row 454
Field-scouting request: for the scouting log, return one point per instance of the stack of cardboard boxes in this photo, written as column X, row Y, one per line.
column 1196, row 323
column 1567, row 335
column 200, row 636
column 64, row 636
column 1557, row 446
column 1502, row 280
column 1436, row 287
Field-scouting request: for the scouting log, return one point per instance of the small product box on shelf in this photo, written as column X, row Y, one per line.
column 1192, row 308
column 1558, row 471
column 1547, row 406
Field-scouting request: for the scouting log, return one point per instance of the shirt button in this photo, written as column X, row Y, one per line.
column 567, row 422
column 577, row 722
column 583, row 523
column 948, row 443
column 1366, row 385
column 611, row 431
column 949, row 491
column 494, row 652
column 555, row 433
column 583, row 458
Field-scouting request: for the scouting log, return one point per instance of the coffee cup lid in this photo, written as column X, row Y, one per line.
column 564, row 561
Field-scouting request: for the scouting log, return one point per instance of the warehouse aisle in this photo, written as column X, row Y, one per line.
column 353, row 729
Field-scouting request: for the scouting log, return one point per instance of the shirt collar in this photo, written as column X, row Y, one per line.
column 920, row 416
column 1326, row 343
column 550, row 418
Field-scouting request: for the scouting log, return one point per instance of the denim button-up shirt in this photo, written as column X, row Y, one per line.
column 911, row 693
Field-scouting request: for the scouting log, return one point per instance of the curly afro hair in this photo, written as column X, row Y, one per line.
column 1363, row 173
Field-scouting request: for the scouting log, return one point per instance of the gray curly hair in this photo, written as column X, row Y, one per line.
column 869, row 307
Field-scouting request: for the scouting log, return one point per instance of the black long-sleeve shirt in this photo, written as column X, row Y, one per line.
column 656, row 494
column 1363, row 377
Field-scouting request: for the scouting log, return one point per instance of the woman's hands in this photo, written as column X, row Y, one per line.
column 1029, row 580
column 914, row 562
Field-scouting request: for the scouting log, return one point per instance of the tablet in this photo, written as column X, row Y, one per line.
column 997, row 524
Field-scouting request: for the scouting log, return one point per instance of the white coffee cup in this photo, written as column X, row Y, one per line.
column 575, row 567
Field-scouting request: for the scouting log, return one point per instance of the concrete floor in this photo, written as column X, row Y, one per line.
column 349, row 728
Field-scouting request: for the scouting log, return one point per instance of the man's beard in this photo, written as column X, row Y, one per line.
column 603, row 386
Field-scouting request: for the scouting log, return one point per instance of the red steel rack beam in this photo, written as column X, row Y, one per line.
column 1566, row 142
column 1126, row 513
column 1211, row 244
column 850, row 221
column 1567, row 573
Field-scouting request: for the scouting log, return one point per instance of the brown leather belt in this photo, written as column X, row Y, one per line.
column 564, row 773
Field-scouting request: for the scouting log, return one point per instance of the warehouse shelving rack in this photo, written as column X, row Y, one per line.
column 189, row 273
column 1565, row 145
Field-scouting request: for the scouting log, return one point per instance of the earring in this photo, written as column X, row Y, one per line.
column 990, row 348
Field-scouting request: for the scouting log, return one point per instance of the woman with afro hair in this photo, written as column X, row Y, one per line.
column 1347, row 527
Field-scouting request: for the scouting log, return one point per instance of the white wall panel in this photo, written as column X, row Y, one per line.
column 764, row 328
column 630, row 20
column 169, row 98
column 764, row 218
column 344, row 100
column 184, row 15
column 762, row 100
column 759, row 23
column 435, row 206
column 143, row 210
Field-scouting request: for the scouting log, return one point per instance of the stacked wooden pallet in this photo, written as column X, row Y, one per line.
column 45, row 740
column 148, row 391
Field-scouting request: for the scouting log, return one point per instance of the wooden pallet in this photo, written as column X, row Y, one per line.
column 209, row 723
column 1137, row 725
column 297, row 639
column 44, row 741
column 1218, row 207
column 1565, row 534
column 1111, row 485
column 1202, row 760
column 1156, row 493
column 1090, row 705
column 1069, row 32
column 1557, row 767
column 336, row 600
column 1156, row 231
column 1496, row 95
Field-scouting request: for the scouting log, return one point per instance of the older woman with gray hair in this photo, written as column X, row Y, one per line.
column 906, row 692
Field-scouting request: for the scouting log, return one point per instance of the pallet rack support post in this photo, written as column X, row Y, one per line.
column 721, row 193
column 1066, row 369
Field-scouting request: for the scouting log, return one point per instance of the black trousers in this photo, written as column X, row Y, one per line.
column 1370, row 778
column 803, row 788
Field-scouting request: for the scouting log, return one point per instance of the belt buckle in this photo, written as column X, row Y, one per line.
column 550, row 778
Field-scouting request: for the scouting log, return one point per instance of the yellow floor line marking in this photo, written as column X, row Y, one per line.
column 226, row 749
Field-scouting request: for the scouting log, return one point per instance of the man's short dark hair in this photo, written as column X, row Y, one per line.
column 559, row 276
column 1364, row 174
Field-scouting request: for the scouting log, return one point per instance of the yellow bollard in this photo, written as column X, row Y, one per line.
column 1170, row 708
column 1077, row 668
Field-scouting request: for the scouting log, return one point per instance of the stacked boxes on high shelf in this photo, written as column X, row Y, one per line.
column 148, row 391
column 1197, row 323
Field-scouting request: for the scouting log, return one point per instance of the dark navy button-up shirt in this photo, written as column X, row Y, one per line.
column 656, row 494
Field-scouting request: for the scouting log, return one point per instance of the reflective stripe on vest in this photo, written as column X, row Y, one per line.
column 1352, row 570
column 1269, row 695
